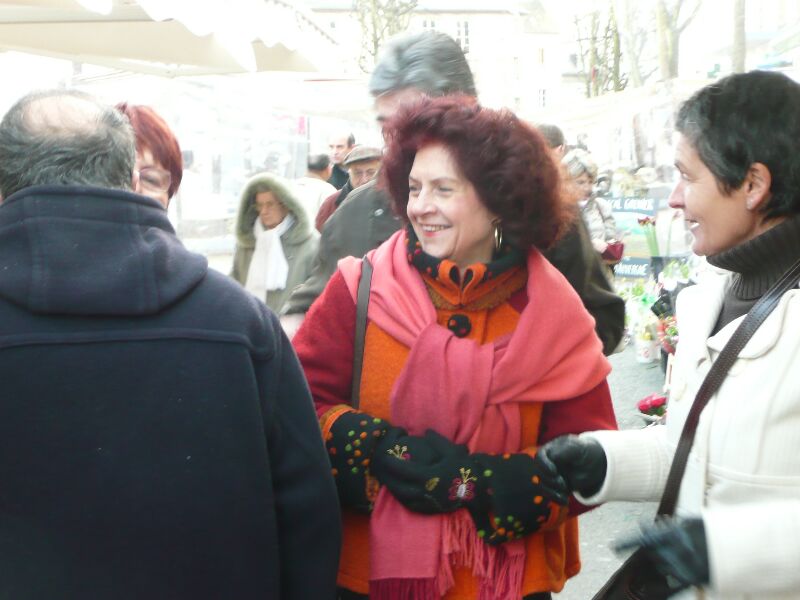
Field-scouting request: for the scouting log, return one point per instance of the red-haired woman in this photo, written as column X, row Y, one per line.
column 476, row 352
column 158, row 154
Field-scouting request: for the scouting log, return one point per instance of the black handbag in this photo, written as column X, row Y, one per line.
column 636, row 579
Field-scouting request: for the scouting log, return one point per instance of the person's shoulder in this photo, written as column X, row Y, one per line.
column 221, row 306
column 368, row 194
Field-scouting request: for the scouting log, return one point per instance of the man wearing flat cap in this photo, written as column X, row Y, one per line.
column 362, row 164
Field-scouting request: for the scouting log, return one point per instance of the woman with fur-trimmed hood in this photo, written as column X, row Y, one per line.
column 275, row 243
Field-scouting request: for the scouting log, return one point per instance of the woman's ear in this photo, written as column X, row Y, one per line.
column 135, row 181
column 758, row 183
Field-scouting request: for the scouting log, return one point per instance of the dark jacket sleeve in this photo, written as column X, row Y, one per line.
column 577, row 260
column 363, row 222
column 306, row 504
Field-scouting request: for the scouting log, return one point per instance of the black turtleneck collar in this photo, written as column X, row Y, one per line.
column 756, row 265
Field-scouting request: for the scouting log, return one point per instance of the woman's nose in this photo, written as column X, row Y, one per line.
column 676, row 196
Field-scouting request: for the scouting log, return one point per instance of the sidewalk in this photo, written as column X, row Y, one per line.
column 629, row 382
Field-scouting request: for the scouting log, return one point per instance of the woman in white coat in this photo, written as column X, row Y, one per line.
column 737, row 533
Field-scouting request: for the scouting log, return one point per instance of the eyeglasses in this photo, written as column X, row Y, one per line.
column 155, row 179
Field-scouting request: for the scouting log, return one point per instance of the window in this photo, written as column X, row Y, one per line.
column 542, row 98
column 541, row 56
column 429, row 24
column 462, row 35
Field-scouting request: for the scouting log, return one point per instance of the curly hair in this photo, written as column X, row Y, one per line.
column 505, row 159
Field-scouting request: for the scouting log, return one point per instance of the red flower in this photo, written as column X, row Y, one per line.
column 654, row 404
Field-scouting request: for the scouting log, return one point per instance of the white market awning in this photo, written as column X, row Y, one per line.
column 170, row 37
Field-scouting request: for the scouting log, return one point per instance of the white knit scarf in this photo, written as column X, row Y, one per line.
column 268, row 268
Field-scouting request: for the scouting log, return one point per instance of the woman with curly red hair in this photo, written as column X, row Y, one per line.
column 475, row 352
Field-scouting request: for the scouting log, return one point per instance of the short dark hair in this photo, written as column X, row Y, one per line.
column 318, row 162
column 552, row 134
column 743, row 119
column 153, row 134
column 64, row 137
column 351, row 140
column 431, row 62
column 505, row 159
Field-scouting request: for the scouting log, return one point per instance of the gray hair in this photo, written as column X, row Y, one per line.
column 431, row 62
column 63, row 137
column 578, row 161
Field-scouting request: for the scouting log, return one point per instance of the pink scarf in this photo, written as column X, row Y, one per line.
column 470, row 394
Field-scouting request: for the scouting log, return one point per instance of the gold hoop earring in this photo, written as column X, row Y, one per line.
column 498, row 235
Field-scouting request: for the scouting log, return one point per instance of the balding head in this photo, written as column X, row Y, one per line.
column 64, row 137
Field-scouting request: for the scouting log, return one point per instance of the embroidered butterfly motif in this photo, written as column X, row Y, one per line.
column 463, row 488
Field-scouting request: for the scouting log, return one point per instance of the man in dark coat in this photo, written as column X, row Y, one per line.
column 157, row 436
column 431, row 63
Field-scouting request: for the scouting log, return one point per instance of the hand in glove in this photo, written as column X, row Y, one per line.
column 581, row 461
column 523, row 495
column 351, row 444
column 421, row 471
column 677, row 548
column 508, row 496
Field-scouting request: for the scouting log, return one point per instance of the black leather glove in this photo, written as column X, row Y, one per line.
column 580, row 461
column 677, row 548
column 428, row 474
column 351, row 444
column 521, row 495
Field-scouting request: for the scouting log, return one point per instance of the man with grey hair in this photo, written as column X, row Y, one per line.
column 432, row 64
column 157, row 434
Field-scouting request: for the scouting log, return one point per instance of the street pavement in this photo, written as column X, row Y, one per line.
column 629, row 381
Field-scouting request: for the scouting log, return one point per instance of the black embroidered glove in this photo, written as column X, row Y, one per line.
column 580, row 461
column 427, row 474
column 507, row 496
column 677, row 548
column 351, row 444
column 523, row 494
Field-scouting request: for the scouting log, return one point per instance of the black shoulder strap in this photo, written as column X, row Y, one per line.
column 713, row 381
column 362, row 302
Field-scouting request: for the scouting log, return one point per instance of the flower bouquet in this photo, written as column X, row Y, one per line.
column 652, row 408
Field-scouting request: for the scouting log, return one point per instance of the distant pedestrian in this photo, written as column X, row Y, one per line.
column 363, row 164
column 275, row 242
column 313, row 188
column 340, row 145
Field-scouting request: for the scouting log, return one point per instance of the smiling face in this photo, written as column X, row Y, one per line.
column 445, row 211
column 716, row 220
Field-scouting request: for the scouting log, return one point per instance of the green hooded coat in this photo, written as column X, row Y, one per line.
column 299, row 243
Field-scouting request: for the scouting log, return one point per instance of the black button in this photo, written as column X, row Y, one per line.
column 459, row 325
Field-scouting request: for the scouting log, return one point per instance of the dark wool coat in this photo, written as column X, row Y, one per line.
column 157, row 437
